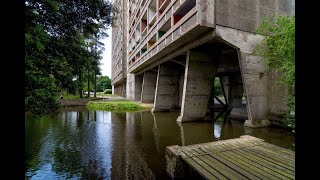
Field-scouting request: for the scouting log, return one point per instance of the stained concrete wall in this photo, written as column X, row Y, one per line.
column 167, row 90
column 148, row 87
column 276, row 97
column 198, row 81
column 120, row 89
column 253, row 71
column 246, row 15
column 134, row 86
column 236, row 91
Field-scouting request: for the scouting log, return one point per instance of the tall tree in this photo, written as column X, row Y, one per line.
column 56, row 53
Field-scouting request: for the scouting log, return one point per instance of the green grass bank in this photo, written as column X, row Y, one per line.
column 116, row 105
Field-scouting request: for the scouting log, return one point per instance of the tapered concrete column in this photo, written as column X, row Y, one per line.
column 167, row 87
column 233, row 89
column 148, row 87
column 256, row 91
column 225, row 86
column 134, row 86
column 236, row 91
column 253, row 73
column 138, row 87
column 198, row 81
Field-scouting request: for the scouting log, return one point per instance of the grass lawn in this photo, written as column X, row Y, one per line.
column 116, row 105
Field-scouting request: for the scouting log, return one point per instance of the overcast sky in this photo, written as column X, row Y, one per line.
column 106, row 61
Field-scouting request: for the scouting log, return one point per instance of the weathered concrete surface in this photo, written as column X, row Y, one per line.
column 134, row 86
column 120, row 89
column 119, row 44
column 253, row 73
column 176, row 167
column 148, row 87
column 206, row 13
column 198, row 81
column 276, row 98
column 233, row 89
column 246, row 15
column 167, row 89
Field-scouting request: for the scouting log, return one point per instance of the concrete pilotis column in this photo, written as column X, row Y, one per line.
column 148, row 87
column 256, row 92
column 225, row 86
column 134, row 86
column 252, row 71
column 198, row 81
column 236, row 91
column 138, row 87
column 167, row 87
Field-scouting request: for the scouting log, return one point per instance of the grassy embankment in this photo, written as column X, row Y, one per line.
column 116, row 105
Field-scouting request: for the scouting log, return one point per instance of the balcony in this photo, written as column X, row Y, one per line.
column 171, row 24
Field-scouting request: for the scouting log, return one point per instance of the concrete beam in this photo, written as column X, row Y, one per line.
column 183, row 64
column 187, row 46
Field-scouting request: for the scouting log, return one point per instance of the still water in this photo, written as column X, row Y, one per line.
column 82, row 144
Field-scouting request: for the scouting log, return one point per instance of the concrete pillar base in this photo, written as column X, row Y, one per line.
column 175, row 167
column 190, row 119
column 160, row 110
column 257, row 123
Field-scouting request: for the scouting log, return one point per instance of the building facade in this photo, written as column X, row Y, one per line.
column 174, row 49
column 119, row 48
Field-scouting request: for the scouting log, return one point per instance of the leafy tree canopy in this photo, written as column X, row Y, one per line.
column 62, row 47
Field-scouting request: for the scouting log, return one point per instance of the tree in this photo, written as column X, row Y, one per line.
column 103, row 83
column 278, row 51
column 56, row 33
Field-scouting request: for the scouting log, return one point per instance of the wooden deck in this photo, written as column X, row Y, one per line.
column 246, row 157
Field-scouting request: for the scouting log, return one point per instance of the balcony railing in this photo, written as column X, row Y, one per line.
column 182, row 26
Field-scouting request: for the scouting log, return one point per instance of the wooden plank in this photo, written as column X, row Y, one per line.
column 282, row 170
column 258, row 172
column 269, row 169
column 277, row 153
column 280, row 149
column 273, row 156
column 247, row 172
column 204, row 173
column 204, row 164
column 269, row 159
column 241, row 158
column 265, row 146
column 235, row 145
column 220, row 167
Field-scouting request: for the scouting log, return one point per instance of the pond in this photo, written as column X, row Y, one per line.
column 81, row 144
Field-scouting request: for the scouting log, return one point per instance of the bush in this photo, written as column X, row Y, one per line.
column 278, row 50
column 108, row 91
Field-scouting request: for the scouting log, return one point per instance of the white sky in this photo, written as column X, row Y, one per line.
column 106, row 60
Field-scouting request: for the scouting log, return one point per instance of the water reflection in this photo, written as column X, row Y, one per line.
column 83, row 144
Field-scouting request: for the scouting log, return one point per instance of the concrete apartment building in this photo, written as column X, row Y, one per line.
column 168, row 52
